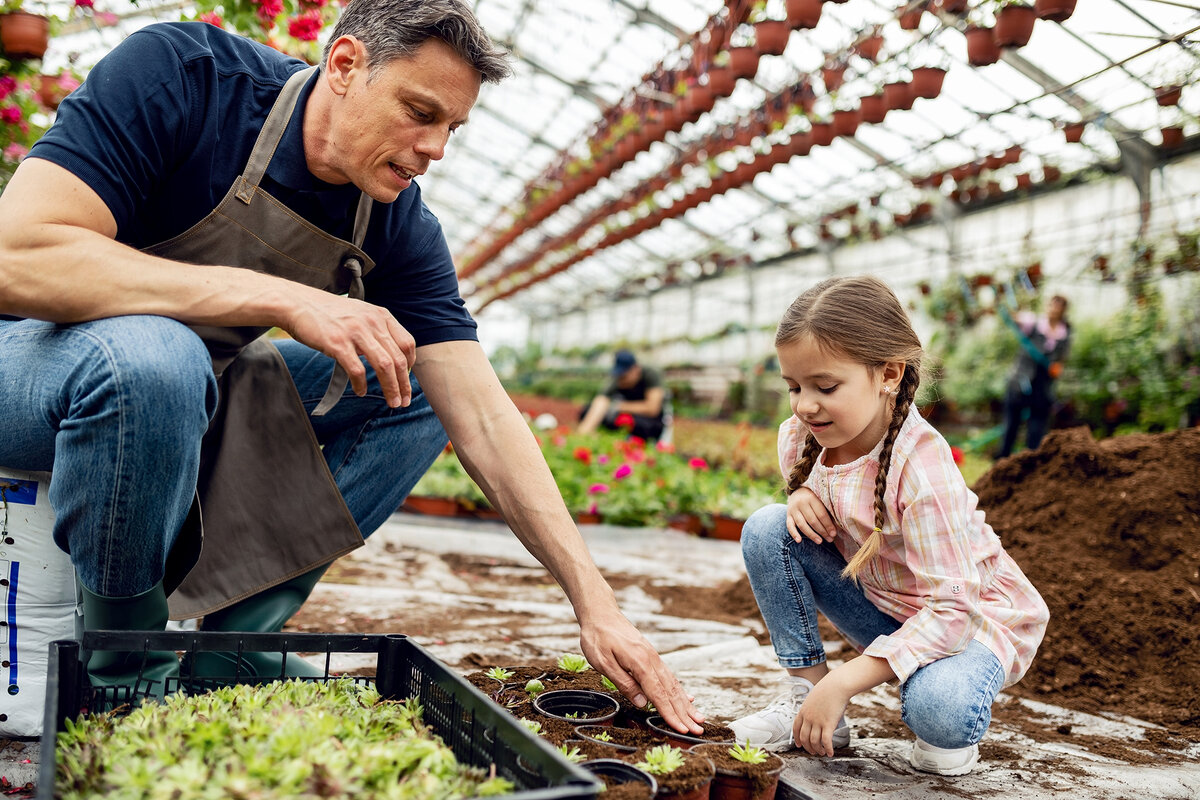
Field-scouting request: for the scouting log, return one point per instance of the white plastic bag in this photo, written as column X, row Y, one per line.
column 37, row 586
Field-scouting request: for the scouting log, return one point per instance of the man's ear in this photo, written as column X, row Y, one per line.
column 347, row 57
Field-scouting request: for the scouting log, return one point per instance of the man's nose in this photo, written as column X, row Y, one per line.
column 432, row 144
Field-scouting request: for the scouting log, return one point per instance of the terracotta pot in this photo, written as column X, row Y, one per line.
column 1172, row 136
column 845, row 122
column 801, row 143
column 732, row 782
column 1024, row 180
column 803, row 13
column 729, row 528
column 833, row 77
column 772, row 36
column 927, row 81
column 1167, row 95
column 868, row 48
column 950, row 6
column 434, row 506
column 50, row 91
column 1050, row 174
column 593, row 708
column 822, row 133
column 1054, row 10
column 1073, row 131
column 910, row 18
column 1014, row 26
column 873, row 108
column 620, row 772
column 721, row 81
column 898, row 95
column 981, row 46
column 24, row 35
column 587, row 518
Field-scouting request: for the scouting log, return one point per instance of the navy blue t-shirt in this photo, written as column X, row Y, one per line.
column 163, row 126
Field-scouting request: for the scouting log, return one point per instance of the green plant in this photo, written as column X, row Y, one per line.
column 573, row 714
column 572, row 662
column 748, row 753
column 532, row 724
column 602, row 736
column 607, row 684
column 499, row 674
column 572, row 754
column 661, row 760
column 535, row 687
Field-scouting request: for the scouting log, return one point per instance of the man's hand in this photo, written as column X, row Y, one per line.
column 348, row 330
column 617, row 650
column 808, row 518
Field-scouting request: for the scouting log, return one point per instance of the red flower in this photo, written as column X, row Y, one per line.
column 637, row 442
column 306, row 26
column 697, row 463
column 8, row 85
column 267, row 11
column 85, row 3
column 10, row 114
column 665, row 447
column 624, row 420
column 583, row 454
column 957, row 454
column 212, row 18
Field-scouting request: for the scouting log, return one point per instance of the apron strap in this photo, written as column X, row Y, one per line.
column 339, row 379
column 270, row 134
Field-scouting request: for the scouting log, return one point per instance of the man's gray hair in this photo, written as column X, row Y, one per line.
column 391, row 29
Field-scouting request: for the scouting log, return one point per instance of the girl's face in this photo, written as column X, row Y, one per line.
column 843, row 402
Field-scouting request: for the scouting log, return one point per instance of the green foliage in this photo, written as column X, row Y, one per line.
column 571, row 754
column 499, row 674
column 534, row 687
column 748, row 753
column 573, row 662
column 335, row 739
column 532, row 724
column 661, row 760
column 602, row 736
column 604, row 681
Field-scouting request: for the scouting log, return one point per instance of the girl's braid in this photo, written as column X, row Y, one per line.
column 905, row 392
column 804, row 466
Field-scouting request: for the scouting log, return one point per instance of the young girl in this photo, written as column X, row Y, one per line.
column 880, row 534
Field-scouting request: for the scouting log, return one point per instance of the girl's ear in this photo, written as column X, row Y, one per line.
column 891, row 374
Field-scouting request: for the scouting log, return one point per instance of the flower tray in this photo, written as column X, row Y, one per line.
column 478, row 731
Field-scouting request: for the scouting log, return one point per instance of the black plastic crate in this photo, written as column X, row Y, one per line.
column 478, row 731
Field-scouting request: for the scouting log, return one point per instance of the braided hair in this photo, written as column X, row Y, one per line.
column 861, row 318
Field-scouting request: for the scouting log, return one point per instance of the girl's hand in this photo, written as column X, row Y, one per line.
column 818, row 718
column 807, row 517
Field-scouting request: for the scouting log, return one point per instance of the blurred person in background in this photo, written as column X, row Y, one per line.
column 635, row 400
column 1045, row 340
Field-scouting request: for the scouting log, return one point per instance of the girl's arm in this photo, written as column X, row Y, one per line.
column 819, row 715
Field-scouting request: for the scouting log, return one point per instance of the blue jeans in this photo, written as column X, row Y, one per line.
column 947, row 703
column 117, row 408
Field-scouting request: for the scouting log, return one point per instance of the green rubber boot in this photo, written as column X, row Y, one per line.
column 264, row 612
column 128, row 675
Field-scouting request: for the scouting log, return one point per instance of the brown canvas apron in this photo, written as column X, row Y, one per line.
column 269, row 505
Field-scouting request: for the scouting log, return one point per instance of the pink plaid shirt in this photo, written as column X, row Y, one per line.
column 941, row 570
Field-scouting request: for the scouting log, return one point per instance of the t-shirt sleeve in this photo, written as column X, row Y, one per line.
column 126, row 126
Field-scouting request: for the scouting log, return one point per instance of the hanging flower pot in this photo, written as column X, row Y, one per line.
column 868, row 47
column 910, row 16
column 744, row 61
column 1054, row 10
column 1172, row 136
column 803, row 13
column 801, row 143
column 24, row 35
column 1073, row 131
column 822, row 134
column 772, row 36
column 950, row 6
column 927, row 81
column 981, row 46
column 1050, row 174
column 1167, row 95
column 874, row 108
column 833, row 75
column 898, row 95
column 1014, row 26
column 721, row 81
column 1024, row 180
column 845, row 122
column 1012, row 155
column 738, row 780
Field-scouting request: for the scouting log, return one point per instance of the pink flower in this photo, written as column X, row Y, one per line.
column 15, row 151
column 212, row 18
column 306, row 26
column 8, row 85
column 602, row 459
column 267, row 11
column 624, row 421
column 623, row 471
column 85, row 3
column 10, row 114
column 105, row 19
column 697, row 463
column 957, row 454
column 598, row 488
column 665, row 447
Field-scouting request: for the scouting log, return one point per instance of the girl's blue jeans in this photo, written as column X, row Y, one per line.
column 947, row 703
column 117, row 408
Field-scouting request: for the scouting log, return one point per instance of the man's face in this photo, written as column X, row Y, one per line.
column 629, row 377
column 389, row 128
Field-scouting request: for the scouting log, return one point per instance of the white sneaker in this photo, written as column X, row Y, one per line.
column 940, row 761
column 771, row 728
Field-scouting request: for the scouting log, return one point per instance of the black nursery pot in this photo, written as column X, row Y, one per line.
column 686, row 741
column 620, row 772
column 577, row 706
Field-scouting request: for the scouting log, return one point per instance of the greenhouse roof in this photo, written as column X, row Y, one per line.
column 525, row 230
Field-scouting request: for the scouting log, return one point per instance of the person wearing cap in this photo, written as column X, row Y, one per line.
column 634, row 400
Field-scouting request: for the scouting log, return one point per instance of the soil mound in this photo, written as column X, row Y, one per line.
column 1109, row 532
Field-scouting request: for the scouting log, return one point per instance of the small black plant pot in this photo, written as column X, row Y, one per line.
column 577, row 706
column 620, row 772
column 684, row 740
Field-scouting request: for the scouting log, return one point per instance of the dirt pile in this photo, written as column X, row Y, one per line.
column 1109, row 532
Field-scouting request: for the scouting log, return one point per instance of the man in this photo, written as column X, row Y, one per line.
column 1045, row 342
column 634, row 400
column 198, row 190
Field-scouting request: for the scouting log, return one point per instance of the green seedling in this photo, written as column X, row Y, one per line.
column 572, row 754
column 499, row 674
column 571, row 662
column 748, row 753
column 535, row 687
column 612, row 687
column 532, row 724
column 661, row 760
column 602, row 736
column 573, row 714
